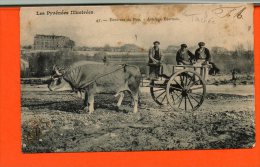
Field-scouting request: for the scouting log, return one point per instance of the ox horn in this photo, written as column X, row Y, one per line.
column 55, row 68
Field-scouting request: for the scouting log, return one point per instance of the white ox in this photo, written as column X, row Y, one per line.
column 89, row 78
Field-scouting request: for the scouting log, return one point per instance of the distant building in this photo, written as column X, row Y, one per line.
column 130, row 48
column 172, row 49
column 52, row 42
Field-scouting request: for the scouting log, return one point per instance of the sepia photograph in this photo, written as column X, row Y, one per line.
column 137, row 77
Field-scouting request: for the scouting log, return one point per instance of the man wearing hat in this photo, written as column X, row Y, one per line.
column 155, row 56
column 202, row 53
column 184, row 56
column 202, row 56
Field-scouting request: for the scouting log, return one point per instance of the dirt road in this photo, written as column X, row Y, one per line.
column 55, row 122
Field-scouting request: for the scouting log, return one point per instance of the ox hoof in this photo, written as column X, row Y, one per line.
column 83, row 111
column 90, row 111
column 117, row 109
column 136, row 108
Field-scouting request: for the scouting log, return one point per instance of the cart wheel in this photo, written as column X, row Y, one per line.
column 186, row 90
column 158, row 93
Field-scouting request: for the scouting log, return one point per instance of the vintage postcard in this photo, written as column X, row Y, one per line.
column 137, row 77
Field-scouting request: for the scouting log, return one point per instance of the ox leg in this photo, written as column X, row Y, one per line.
column 91, row 103
column 86, row 101
column 132, row 102
column 139, row 100
column 135, row 99
column 122, row 95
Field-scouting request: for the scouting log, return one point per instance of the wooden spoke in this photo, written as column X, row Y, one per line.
column 193, row 83
column 158, row 90
column 173, row 98
column 186, row 80
column 182, row 84
column 178, row 97
column 176, row 93
column 163, row 98
column 160, row 95
column 178, row 83
column 185, row 103
column 190, row 102
column 189, row 81
column 180, row 102
column 194, row 98
column 196, row 94
column 175, row 88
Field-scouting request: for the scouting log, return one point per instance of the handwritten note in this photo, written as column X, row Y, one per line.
column 210, row 16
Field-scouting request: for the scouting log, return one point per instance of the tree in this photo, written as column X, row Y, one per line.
column 239, row 49
column 27, row 47
column 107, row 48
column 69, row 44
column 218, row 50
column 99, row 56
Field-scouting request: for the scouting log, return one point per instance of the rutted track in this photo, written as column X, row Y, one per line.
column 55, row 122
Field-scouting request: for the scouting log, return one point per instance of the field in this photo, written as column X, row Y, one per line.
column 56, row 122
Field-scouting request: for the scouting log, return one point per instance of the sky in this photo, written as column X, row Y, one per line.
column 224, row 25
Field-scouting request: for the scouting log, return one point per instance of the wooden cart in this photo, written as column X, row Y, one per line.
column 183, row 90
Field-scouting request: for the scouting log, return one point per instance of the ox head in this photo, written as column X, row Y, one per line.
column 57, row 82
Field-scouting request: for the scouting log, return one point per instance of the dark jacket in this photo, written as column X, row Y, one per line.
column 207, row 53
column 180, row 57
column 152, row 53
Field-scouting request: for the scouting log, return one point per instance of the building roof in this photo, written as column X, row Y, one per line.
column 53, row 36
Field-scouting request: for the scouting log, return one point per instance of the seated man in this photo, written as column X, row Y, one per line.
column 155, row 56
column 184, row 56
column 202, row 56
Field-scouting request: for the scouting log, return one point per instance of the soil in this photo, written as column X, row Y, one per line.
column 57, row 122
